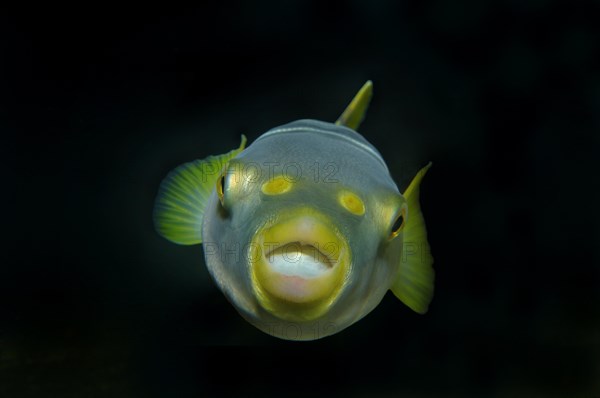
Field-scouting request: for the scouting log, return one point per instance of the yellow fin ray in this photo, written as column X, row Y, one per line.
column 183, row 194
column 354, row 114
column 414, row 286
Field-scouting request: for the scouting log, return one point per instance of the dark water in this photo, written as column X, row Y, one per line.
column 100, row 103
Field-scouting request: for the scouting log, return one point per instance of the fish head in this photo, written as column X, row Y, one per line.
column 301, row 243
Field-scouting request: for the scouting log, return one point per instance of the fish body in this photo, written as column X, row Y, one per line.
column 304, row 230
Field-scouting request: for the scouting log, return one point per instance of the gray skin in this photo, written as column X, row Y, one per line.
column 323, row 158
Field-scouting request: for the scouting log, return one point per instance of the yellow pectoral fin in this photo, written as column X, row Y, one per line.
column 183, row 194
column 414, row 286
column 354, row 114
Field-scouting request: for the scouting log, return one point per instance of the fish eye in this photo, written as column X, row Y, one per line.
column 351, row 202
column 221, row 188
column 398, row 225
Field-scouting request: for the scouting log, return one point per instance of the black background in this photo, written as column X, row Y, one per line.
column 101, row 102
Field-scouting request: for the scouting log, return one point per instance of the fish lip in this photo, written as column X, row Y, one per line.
column 306, row 231
column 299, row 292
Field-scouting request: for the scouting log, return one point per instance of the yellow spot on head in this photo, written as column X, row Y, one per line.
column 351, row 202
column 276, row 186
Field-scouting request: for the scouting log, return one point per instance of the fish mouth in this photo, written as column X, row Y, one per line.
column 299, row 265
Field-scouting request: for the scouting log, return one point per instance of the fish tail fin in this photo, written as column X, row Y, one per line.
column 354, row 114
column 183, row 194
column 414, row 285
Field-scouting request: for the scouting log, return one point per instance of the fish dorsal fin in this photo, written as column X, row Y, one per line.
column 354, row 114
column 183, row 194
column 414, row 286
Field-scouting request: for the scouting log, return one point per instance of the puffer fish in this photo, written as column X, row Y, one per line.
column 304, row 230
